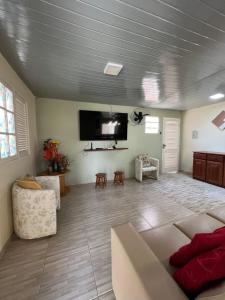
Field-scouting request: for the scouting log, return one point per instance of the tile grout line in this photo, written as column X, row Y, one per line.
column 44, row 261
column 104, row 293
column 92, row 269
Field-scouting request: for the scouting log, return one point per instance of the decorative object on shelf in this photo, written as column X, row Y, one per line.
column 219, row 121
column 119, row 177
column 114, row 146
column 57, row 162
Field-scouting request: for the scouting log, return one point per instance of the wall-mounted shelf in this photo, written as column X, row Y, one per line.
column 104, row 149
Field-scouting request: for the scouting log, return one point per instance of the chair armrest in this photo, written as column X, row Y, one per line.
column 51, row 183
column 138, row 169
column 136, row 271
column 138, row 163
column 154, row 162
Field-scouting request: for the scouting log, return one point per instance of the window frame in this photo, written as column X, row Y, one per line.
column 14, row 157
column 149, row 122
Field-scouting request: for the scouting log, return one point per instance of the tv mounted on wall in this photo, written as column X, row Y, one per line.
column 100, row 126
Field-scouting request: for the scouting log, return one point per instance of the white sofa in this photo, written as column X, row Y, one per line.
column 145, row 164
column 140, row 261
column 34, row 211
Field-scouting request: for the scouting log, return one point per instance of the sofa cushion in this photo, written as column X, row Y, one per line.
column 149, row 169
column 202, row 271
column 198, row 224
column 164, row 241
column 218, row 213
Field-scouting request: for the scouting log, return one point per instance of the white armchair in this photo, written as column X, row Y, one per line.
column 34, row 211
column 148, row 165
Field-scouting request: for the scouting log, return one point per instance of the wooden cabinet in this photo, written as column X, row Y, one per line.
column 214, row 172
column 224, row 174
column 199, row 169
column 209, row 167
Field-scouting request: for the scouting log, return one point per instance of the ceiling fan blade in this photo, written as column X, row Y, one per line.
column 136, row 114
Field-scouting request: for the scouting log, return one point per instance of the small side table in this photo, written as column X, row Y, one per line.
column 101, row 180
column 119, row 177
column 64, row 189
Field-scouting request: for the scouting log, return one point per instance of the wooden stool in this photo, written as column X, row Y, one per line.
column 101, row 180
column 119, row 177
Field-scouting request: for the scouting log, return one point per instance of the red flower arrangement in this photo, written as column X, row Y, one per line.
column 50, row 149
column 57, row 161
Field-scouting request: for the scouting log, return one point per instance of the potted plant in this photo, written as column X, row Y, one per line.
column 57, row 162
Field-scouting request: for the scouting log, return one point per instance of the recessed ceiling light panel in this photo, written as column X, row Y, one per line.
column 112, row 69
column 217, row 96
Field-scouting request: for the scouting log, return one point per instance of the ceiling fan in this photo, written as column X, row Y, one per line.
column 137, row 117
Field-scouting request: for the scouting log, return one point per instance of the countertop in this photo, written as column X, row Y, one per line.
column 210, row 152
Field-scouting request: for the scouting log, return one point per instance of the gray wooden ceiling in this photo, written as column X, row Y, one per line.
column 173, row 51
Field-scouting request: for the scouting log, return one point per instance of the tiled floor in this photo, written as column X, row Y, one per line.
column 76, row 263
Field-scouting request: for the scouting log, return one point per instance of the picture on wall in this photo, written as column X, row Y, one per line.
column 219, row 121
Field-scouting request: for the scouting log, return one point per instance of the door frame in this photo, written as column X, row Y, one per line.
column 163, row 136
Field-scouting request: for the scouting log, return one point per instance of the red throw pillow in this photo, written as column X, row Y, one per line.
column 220, row 230
column 202, row 270
column 201, row 243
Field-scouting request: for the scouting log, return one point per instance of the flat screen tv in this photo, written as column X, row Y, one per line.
column 100, row 126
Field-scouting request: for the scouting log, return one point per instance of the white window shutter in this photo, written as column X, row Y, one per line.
column 22, row 128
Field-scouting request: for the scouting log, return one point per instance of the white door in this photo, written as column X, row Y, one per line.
column 171, row 145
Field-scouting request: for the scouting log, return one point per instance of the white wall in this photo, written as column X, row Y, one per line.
column 210, row 138
column 58, row 119
column 9, row 171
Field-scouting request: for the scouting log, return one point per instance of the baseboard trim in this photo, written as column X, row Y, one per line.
column 2, row 252
column 186, row 172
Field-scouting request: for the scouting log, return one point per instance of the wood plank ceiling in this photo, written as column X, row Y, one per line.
column 172, row 50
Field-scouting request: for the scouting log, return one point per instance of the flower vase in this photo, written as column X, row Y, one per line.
column 50, row 169
column 55, row 166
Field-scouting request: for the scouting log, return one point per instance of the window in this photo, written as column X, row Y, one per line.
column 22, row 128
column 7, row 123
column 151, row 124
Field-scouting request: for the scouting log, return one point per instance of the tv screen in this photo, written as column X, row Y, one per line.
column 99, row 126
